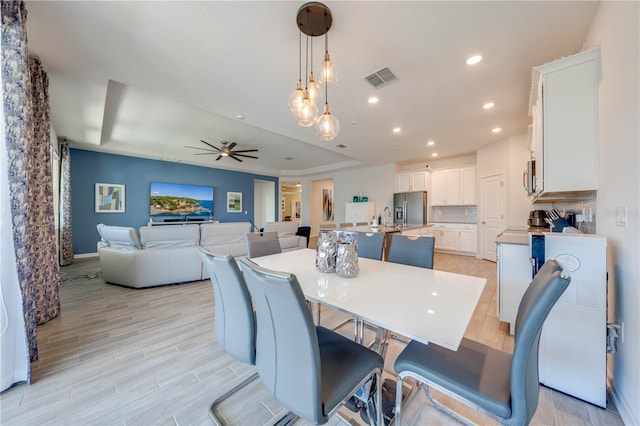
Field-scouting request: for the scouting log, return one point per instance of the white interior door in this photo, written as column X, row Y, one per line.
column 492, row 214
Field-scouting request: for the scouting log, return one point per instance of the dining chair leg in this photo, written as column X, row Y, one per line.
column 226, row 395
column 397, row 418
column 443, row 408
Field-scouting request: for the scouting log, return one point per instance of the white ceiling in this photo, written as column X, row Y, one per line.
column 147, row 78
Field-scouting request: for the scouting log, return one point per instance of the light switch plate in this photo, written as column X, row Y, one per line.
column 621, row 216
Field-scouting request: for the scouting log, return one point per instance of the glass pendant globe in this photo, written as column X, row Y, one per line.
column 307, row 114
column 295, row 98
column 327, row 125
column 328, row 72
column 313, row 89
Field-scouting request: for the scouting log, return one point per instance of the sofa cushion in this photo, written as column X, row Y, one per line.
column 169, row 236
column 214, row 234
column 284, row 229
column 119, row 236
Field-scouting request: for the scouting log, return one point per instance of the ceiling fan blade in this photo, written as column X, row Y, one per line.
column 205, row 153
column 234, row 157
column 197, row 147
column 232, row 145
column 219, row 157
column 217, row 149
column 244, row 155
column 245, row 150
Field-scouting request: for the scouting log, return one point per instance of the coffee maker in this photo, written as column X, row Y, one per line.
column 537, row 218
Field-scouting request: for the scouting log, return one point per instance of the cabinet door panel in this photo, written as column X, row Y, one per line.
column 468, row 186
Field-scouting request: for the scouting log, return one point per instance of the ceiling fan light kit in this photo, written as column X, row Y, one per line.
column 314, row 19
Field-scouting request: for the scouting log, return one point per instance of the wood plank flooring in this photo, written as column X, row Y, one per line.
column 120, row 356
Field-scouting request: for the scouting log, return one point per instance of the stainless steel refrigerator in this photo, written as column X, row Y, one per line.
column 410, row 208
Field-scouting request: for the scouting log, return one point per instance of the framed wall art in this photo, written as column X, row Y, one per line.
column 234, row 202
column 109, row 198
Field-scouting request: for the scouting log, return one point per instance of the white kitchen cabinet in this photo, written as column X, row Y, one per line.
column 455, row 237
column 564, row 107
column 411, row 181
column 514, row 276
column 468, row 186
column 467, row 238
column 453, row 187
column 360, row 212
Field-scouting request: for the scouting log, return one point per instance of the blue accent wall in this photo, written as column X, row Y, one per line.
column 89, row 168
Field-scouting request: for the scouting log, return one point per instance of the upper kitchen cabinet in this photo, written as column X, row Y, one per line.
column 564, row 107
column 411, row 181
column 453, row 187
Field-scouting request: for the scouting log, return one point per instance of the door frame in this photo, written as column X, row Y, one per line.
column 482, row 254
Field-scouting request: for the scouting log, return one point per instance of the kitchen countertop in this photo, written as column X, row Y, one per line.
column 385, row 229
column 518, row 234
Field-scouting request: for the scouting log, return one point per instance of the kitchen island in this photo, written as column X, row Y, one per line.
column 389, row 230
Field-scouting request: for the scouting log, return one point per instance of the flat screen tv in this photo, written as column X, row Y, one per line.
column 171, row 202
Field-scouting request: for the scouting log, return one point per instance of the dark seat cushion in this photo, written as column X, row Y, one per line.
column 475, row 371
column 344, row 363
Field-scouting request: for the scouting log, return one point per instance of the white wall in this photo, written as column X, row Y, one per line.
column 615, row 30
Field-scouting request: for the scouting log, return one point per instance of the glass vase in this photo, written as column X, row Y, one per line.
column 326, row 252
column 347, row 256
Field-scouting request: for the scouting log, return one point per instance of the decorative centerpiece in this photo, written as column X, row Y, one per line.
column 347, row 256
column 326, row 252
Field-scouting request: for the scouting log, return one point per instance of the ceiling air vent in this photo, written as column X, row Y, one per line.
column 381, row 77
column 341, row 146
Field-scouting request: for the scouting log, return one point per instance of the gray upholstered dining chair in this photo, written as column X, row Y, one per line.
column 412, row 250
column 499, row 384
column 310, row 370
column 234, row 320
column 371, row 245
column 262, row 244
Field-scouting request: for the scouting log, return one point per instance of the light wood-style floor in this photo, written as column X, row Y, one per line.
column 120, row 356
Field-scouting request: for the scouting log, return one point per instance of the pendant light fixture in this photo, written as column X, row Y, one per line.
column 314, row 19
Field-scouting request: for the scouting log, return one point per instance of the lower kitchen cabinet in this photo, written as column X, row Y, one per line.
column 455, row 237
column 514, row 276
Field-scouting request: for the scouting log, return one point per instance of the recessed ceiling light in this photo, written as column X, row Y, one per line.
column 496, row 130
column 474, row 60
column 431, row 143
column 240, row 117
column 435, row 154
column 397, row 129
column 373, row 100
column 488, row 105
column 354, row 123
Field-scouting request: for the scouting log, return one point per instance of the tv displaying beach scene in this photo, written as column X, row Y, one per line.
column 171, row 202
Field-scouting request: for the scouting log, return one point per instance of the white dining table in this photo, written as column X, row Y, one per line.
column 426, row 305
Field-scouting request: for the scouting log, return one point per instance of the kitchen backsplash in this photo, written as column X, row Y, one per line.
column 583, row 208
column 454, row 214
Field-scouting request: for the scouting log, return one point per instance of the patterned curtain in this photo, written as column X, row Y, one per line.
column 26, row 110
column 66, row 240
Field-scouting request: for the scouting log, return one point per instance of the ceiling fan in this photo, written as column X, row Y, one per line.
column 226, row 150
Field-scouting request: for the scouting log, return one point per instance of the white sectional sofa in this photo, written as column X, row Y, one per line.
column 168, row 254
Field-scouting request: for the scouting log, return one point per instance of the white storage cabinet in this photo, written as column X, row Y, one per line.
column 453, row 187
column 412, row 181
column 564, row 107
column 514, row 276
column 455, row 237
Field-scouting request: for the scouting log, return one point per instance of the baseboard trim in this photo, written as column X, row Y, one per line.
column 627, row 416
column 85, row 255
